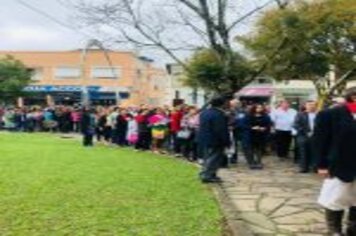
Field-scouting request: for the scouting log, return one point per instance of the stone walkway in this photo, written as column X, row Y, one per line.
column 274, row 201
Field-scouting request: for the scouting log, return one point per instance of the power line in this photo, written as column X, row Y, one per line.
column 48, row 16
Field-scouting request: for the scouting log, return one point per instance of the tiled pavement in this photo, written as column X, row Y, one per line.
column 276, row 200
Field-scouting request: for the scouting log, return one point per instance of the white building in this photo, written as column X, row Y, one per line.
column 177, row 92
column 269, row 91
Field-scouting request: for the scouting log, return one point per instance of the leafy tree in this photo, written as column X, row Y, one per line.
column 14, row 76
column 321, row 39
column 206, row 69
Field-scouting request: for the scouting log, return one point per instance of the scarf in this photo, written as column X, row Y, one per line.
column 351, row 106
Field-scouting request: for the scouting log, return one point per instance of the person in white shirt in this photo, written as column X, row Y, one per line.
column 283, row 119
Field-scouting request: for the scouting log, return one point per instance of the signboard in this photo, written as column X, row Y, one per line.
column 94, row 92
column 59, row 88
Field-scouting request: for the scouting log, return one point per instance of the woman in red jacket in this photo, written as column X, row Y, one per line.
column 175, row 126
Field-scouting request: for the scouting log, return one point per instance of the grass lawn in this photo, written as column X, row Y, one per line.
column 53, row 186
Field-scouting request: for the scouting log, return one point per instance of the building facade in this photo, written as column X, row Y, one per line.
column 267, row 90
column 177, row 92
column 70, row 77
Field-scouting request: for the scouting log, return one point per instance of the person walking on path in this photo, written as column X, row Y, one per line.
column 214, row 138
column 283, row 118
column 335, row 150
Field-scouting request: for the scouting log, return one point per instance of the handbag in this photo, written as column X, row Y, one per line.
column 133, row 138
column 184, row 134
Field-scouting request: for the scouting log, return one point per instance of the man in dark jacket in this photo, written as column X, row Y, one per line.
column 88, row 126
column 304, row 125
column 213, row 137
column 335, row 150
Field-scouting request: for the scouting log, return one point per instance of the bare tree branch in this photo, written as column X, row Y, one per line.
column 244, row 17
column 282, row 3
column 342, row 80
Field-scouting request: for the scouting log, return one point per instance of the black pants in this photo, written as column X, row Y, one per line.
column 121, row 138
column 177, row 143
column 213, row 157
column 107, row 133
column 144, row 141
column 87, row 140
column 242, row 143
column 99, row 131
column 257, row 150
column 189, row 148
column 305, row 153
column 283, row 143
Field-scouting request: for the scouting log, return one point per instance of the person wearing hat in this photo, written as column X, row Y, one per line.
column 213, row 138
column 335, row 150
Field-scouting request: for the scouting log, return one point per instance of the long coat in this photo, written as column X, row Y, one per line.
column 258, row 137
column 87, row 123
column 335, row 143
column 213, row 130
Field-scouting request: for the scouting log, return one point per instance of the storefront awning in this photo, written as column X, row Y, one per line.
column 256, row 92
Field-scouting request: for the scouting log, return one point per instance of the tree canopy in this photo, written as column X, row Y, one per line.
column 14, row 76
column 206, row 69
column 320, row 36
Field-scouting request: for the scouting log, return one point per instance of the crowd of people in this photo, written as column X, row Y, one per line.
column 324, row 141
column 254, row 130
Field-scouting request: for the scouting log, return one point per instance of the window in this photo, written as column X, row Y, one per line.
column 105, row 72
column 124, row 95
column 66, row 72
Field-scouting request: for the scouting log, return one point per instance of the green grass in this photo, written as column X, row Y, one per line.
column 52, row 186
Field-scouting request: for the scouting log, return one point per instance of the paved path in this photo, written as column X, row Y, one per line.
column 276, row 200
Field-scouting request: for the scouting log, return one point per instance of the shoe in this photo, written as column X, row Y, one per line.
column 212, row 180
column 259, row 167
column 217, row 178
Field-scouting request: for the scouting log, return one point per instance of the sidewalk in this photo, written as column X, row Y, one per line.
column 276, row 200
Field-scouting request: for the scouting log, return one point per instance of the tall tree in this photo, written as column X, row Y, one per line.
column 321, row 39
column 205, row 70
column 14, row 76
column 176, row 26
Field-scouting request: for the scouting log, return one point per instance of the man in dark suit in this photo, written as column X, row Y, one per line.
column 335, row 150
column 213, row 137
column 304, row 125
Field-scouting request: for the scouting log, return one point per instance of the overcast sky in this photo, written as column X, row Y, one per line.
column 24, row 29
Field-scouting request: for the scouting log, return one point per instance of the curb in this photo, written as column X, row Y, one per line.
column 235, row 225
